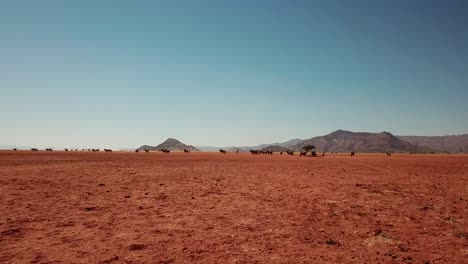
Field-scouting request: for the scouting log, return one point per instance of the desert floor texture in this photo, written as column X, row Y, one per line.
column 125, row 207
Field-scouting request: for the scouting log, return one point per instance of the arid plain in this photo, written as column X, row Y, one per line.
column 123, row 207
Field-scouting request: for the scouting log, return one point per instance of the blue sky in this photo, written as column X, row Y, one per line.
column 126, row 73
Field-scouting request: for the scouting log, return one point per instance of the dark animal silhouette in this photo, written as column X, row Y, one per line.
column 15, row 149
column 186, row 151
column 66, row 150
column 34, row 149
column 254, row 152
column 323, row 154
column 314, row 154
column 137, row 150
column 166, row 151
column 222, row 151
column 281, row 153
column 237, row 151
column 352, row 153
column 49, row 149
column 303, row 153
column 269, row 152
column 389, row 154
column 290, row 152
column 147, row 150
column 108, row 150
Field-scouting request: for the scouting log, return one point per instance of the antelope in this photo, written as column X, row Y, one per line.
column 137, row 150
column 290, row 152
column 222, row 151
column 389, row 154
column 352, row 153
column 303, row 153
column 34, row 149
column 254, row 152
column 49, row 149
column 186, row 151
column 108, row 150
column 166, row 151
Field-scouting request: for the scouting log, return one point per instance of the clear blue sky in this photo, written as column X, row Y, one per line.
column 126, row 73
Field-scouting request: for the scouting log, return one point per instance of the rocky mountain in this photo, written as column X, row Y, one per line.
column 288, row 144
column 208, row 148
column 347, row 141
column 171, row 144
column 275, row 148
column 452, row 144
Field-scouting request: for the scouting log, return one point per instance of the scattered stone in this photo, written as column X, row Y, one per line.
column 449, row 218
column 167, row 261
column 134, row 247
column 114, row 258
column 102, row 184
column 90, row 208
column 127, row 196
column 462, row 235
column 331, row 242
column 427, row 207
column 11, row 231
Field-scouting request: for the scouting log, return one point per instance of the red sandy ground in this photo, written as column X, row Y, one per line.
column 236, row 208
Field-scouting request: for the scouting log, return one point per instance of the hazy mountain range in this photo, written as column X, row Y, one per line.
column 452, row 144
column 337, row 141
column 347, row 141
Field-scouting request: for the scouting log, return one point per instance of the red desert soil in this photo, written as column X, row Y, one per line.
column 236, row 208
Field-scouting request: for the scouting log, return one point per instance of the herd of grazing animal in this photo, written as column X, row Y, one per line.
column 186, row 151
column 263, row 152
column 67, row 150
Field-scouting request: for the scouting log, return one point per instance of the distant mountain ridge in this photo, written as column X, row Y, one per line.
column 347, row 141
column 287, row 144
column 170, row 144
column 337, row 141
column 276, row 148
column 451, row 144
